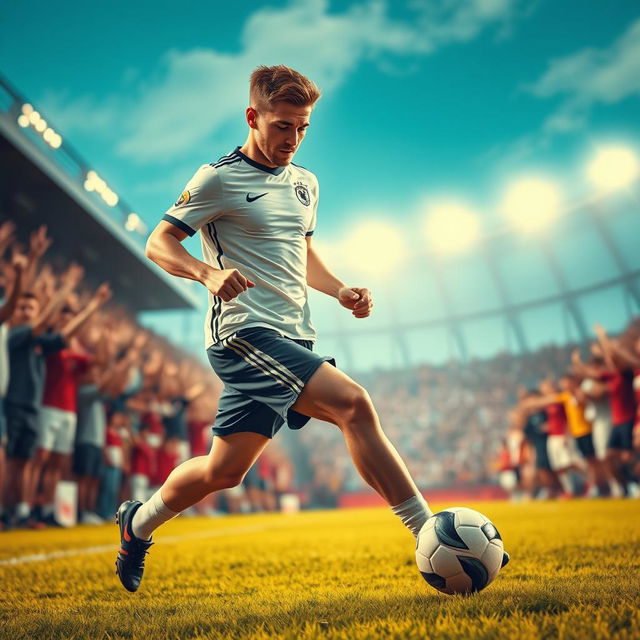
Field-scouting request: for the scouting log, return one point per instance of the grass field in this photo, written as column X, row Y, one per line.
column 574, row 573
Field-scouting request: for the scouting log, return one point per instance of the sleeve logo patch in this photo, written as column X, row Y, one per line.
column 184, row 198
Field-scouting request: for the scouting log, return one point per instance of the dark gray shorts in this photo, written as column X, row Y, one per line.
column 263, row 374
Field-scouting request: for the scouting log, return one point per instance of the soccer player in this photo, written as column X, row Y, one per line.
column 256, row 213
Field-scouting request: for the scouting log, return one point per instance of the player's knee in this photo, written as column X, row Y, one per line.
column 355, row 408
column 218, row 479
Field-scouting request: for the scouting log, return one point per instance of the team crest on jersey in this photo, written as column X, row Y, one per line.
column 184, row 198
column 302, row 192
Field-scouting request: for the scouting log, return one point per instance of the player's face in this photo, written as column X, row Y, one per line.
column 280, row 132
column 26, row 311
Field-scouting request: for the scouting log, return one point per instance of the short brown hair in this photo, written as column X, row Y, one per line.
column 281, row 84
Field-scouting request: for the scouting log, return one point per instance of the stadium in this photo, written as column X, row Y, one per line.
column 499, row 352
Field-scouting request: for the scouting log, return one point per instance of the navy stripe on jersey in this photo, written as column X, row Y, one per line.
column 229, row 156
column 183, row 226
column 217, row 302
column 226, row 162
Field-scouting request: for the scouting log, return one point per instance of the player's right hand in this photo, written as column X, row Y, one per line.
column 228, row 283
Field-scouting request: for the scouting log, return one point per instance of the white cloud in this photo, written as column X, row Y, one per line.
column 590, row 77
column 596, row 75
column 198, row 92
column 579, row 82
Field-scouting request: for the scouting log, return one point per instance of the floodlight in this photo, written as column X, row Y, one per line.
column 41, row 125
column 613, row 167
column 451, row 226
column 34, row 116
column 27, row 109
column 56, row 141
column 23, row 121
column 375, row 247
column 532, row 203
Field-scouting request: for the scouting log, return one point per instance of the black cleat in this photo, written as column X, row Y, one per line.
column 130, row 560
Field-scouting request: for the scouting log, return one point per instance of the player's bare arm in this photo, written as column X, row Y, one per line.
column 319, row 277
column 164, row 247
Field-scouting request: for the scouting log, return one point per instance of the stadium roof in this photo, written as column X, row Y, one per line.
column 44, row 181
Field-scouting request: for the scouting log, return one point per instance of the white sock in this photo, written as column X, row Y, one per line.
column 413, row 512
column 565, row 483
column 150, row 516
column 23, row 510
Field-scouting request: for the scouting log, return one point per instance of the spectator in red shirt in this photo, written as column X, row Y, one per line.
column 58, row 414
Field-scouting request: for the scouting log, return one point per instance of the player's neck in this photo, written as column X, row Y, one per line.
column 252, row 151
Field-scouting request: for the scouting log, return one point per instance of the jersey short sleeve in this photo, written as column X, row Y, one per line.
column 199, row 203
column 314, row 213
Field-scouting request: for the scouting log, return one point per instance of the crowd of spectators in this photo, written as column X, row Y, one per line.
column 468, row 423
column 577, row 432
column 89, row 396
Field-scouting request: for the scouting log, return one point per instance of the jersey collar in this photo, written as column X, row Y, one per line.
column 276, row 171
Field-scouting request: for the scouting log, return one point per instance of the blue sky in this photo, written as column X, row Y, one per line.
column 421, row 99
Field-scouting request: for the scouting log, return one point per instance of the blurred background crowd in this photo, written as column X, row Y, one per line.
column 87, row 395
column 92, row 400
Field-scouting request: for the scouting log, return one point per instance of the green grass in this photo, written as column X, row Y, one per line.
column 574, row 573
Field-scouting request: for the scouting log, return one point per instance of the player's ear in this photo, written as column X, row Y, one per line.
column 252, row 116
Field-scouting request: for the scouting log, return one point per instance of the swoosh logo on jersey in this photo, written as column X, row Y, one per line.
column 251, row 199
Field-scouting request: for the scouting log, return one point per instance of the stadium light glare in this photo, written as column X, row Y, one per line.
column 375, row 247
column 131, row 222
column 41, row 125
column 56, row 141
column 27, row 108
column 23, row 121
column 88, row 185
column 613, row 167
column 532, row 203
column 34, row 116
column 451, row 227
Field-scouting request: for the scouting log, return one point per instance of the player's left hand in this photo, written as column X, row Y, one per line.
column 357, row 299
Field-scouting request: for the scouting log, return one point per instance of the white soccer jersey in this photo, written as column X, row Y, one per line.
column 253, row 218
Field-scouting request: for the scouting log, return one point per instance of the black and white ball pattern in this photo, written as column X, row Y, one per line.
column 459, row 551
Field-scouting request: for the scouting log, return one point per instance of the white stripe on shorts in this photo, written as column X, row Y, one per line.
column 268, row 359
column 255, row 361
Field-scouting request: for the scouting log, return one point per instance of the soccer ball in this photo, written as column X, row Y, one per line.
column 459, row 551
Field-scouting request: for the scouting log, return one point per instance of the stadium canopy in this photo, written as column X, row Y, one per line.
column 44, row 181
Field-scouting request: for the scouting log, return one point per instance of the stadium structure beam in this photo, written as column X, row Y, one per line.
column 604, row 233
column 451, row 317
column 497, row 311
column 398, row 336
column 568, row 296
column 344, row 343
column 512, row 317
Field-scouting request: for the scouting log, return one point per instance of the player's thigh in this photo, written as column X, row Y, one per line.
column 234, row 454
column 330, row 395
